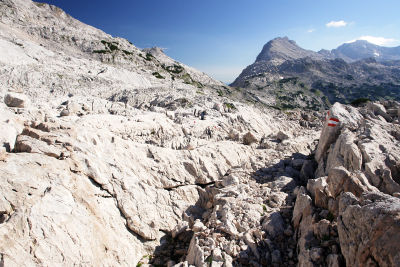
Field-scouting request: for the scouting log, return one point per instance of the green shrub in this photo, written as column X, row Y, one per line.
column 112, row 47
column 127, row 52
column 176, row 69
column 187, row 78
column 359, row 101
column 101, row 51
column 149, row 57
column 230, row 105
column 158, row 75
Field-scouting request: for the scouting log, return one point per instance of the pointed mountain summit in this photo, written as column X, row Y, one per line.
column 281, row 49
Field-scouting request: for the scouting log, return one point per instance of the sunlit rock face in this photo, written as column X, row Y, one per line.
column 115, row 156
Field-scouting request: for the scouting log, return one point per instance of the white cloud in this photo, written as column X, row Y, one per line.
column 336, row 24
column 311, row 30
column 382, row 41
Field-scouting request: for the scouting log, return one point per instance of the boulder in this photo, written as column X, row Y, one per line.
column 195, row 254
column 369, row 229
column 65, row 112
column 8, row 135
column 230, row 179
column 381, row 177
column 303, row 207
column 379, row 110
column 283, row 183
column 337, row 117
column 322, row 229
column 341, row 180
column 28, row 144
column 319, row 191
column 316, row 184
column 274, row 225
column 198, row 226
column 16, row 100
column 345, row 153
column 281, row 136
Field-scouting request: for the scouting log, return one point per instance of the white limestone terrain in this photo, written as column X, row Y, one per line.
column 115, row 156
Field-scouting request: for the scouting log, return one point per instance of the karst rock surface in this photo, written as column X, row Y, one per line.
column 115, row 156
column 356, row 188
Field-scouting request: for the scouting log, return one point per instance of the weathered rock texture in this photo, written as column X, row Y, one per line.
column 121, row 147
column 125, row 157
column 356, row 189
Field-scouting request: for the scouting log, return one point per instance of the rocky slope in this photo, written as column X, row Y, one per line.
column 104, row 163
column 103, row 149
column 353, row 206
column 286, row 76
column 39, row 40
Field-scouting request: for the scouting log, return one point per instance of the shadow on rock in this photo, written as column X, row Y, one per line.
column 298, row 166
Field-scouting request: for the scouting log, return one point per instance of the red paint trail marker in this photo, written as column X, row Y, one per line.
column 333, row 122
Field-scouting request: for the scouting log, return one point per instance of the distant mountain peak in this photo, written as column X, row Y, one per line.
column 286, row 73
column 281, row 49
column 362, row 49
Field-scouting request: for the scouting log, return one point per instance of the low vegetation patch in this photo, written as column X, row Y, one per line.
column 158, row 75
column 109, row 47
column 127, row 52
column 148, row 57
column 175, row 69
column 101, row 51
column 229, row 105
column 360, row 101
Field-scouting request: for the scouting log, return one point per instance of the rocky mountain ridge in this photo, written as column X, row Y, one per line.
column 282, row 48
column 105, row 163
column 287, row 76
column 362, row 49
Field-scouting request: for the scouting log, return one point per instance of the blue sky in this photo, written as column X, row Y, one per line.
column 221, row 37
